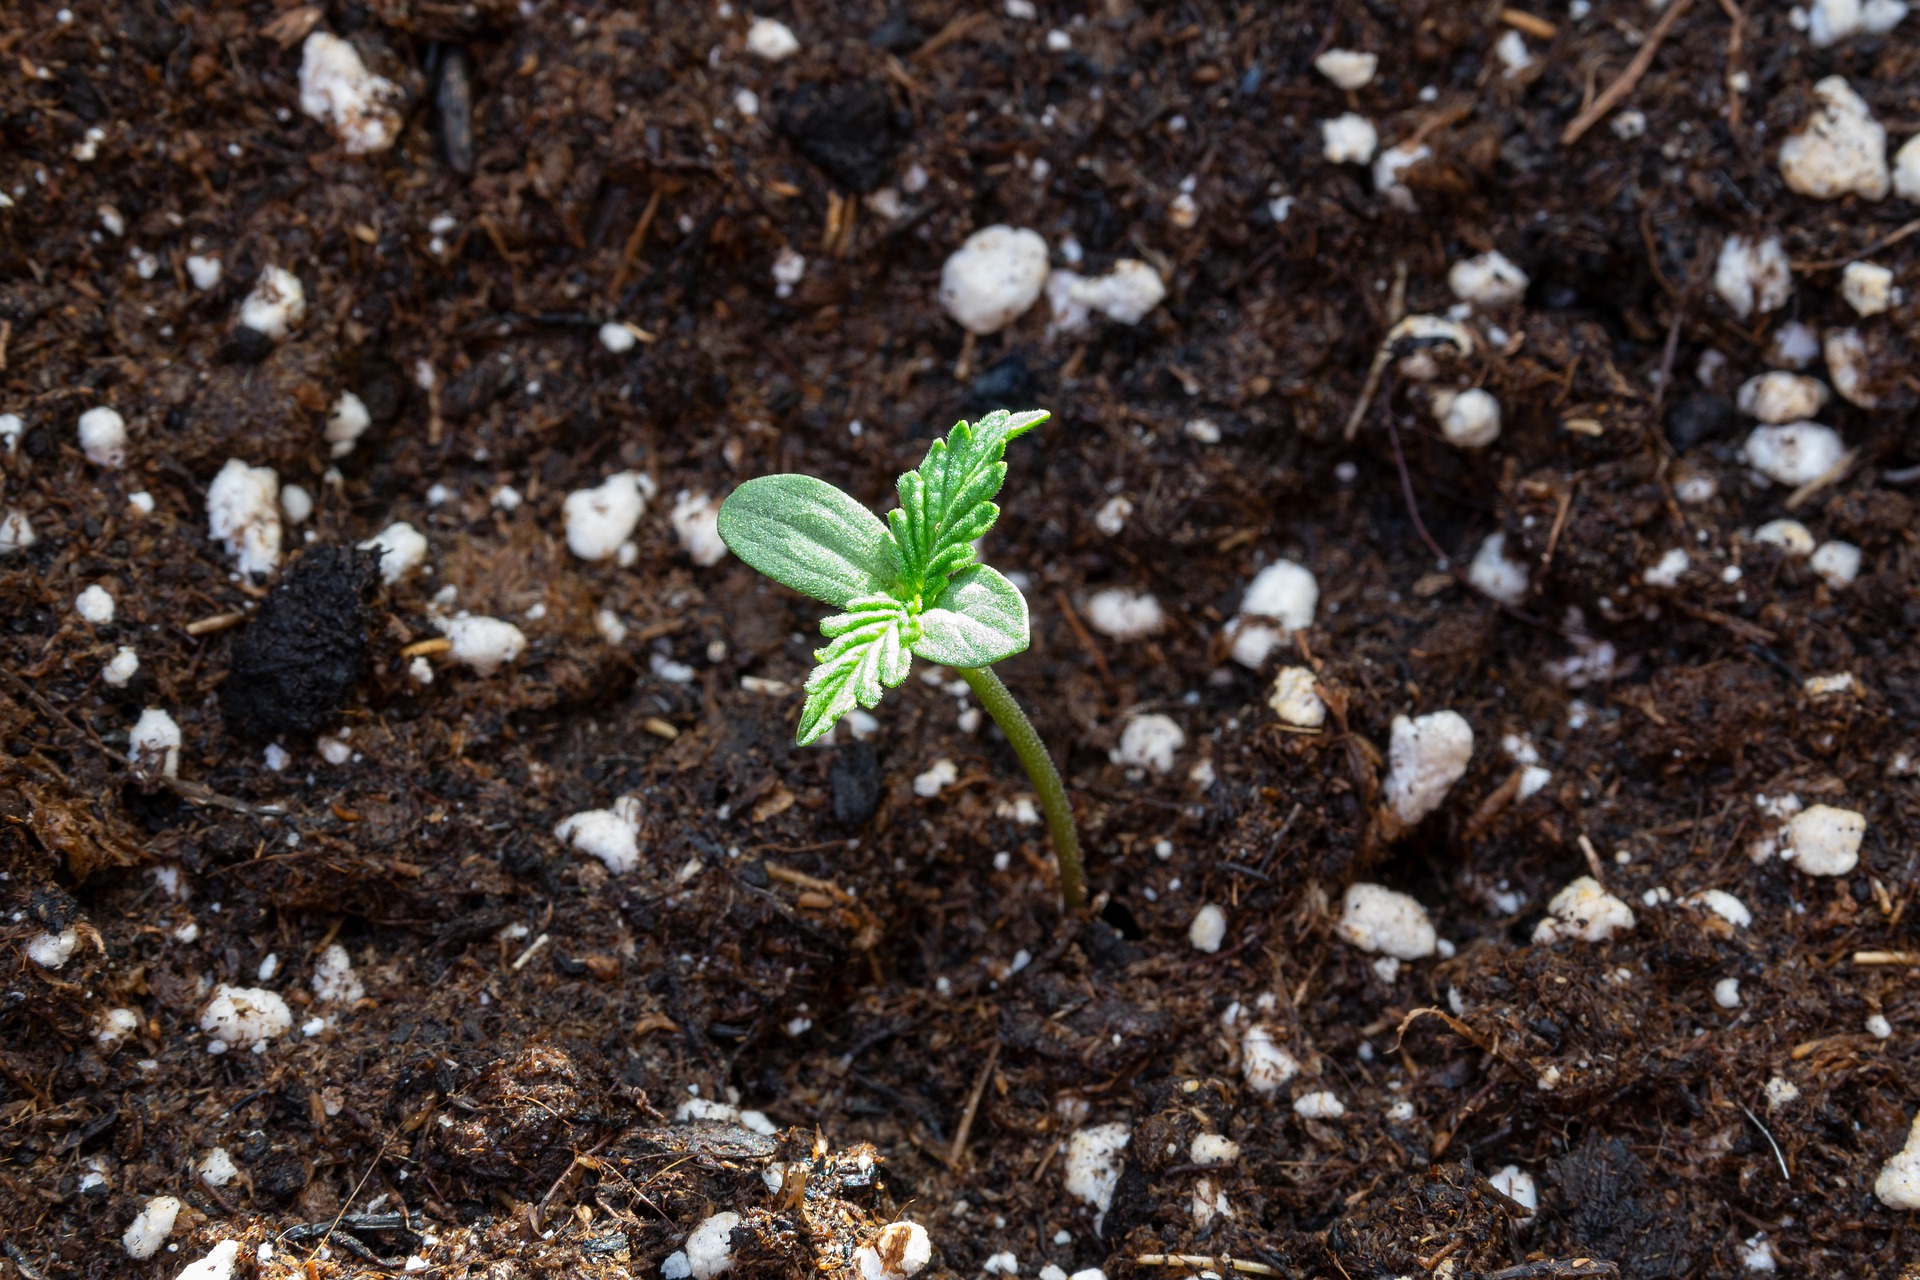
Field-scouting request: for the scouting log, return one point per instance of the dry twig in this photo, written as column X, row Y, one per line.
column 1205, row 1260
column 1611, row 96
column 959, row 1146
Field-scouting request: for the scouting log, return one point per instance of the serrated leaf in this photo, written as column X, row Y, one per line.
column 870, row 654
column 947, row 502
column 803, row 532
column 979, row 619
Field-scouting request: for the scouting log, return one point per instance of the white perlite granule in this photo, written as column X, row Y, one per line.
column 347, row 421
column 901, row 1249
column 1842, row 150
column 773, row 40
column 1794, row 453
column 1377, row 919
column 276, row 304
column 1281, row 599
column 245, row 1015
column 1349, row 138
column 1779, row 397
column 1584, row 911
column 103, row 437
column 1752, row 275
column 334, row 981
column 1824, row 841
column 710, row 1247
column 611, row 835
column 1094, row 1162
column 1149, row 742
column 217, row 1265
column 1264, row 1065
column 151, row 1227
column 484, row 644
column 993, row 278
column 336, row 87
column 1495, row 573
column 1426, row 756
column 601, row 519
column 155, row 741
column 1295, row 700
column 1208, row 929
column 1124, row 295
column 696, row 522
column 401, row 549
column 1489, row 280
column 1898, row 1185
column 243, row 512
column 1868, row 288
column 1124, row 614
column 53, row 950
column 1348, row 68
column 1468, row 419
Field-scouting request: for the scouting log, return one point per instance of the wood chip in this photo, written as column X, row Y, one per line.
column 801, row 880
column 1522, row 21
column 652, row 1022
column 218, row 622
column 1201, row 1260
column 773, row 804
column 293, row 26
column 1887, row 957
column 532, row 949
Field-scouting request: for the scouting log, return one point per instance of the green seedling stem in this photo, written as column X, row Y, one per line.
column 1013, row 722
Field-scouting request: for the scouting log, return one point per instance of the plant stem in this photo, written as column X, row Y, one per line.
column 1033, row 755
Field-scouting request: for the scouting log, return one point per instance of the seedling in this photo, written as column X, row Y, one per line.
column 912, row 586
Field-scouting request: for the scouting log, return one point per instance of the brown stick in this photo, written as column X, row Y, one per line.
column 1735, row 40
column 1396, row 308
column 1611, row 96
column 1559, row 524
column 959, row 1147
column 1081, row 634
column 635, row 239
column 1521, row 20
column 1884, row 242
column 1832, row 475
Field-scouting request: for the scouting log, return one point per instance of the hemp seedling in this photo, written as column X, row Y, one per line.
column 912, row 586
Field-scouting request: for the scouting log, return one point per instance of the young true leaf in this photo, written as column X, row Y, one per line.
column 947, row 502
column 869, row 654
column 979, row 619
column 810, row 536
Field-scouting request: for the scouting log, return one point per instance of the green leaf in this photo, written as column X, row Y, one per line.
column 980, row 619
column 947, row 502
column 870, row 653
column 803, row 532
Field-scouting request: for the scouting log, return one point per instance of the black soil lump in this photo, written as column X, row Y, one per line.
column 848, row 132
column 298, row 660
column 856, row 778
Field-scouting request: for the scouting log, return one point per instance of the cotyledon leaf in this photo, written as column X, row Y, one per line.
column 803, row 532
column 979, row 619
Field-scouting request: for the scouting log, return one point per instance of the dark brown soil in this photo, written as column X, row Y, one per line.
column 804, row 932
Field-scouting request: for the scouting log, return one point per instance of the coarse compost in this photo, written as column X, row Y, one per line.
column 1473, row 594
